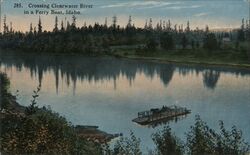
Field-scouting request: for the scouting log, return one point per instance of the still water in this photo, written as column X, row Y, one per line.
column 109, row 92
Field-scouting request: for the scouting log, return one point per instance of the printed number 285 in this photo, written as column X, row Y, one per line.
column 17, row 5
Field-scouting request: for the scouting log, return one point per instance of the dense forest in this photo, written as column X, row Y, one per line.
column 103, row 39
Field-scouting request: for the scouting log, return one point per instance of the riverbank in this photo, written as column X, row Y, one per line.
column 33, row 130
column 160, row 57
column 188, row 62
column 189, row 57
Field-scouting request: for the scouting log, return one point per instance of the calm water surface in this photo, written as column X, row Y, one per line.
column 109, row 92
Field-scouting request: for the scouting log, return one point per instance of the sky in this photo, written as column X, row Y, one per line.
column 214, row 13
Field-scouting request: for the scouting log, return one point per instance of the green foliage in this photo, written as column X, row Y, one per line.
column 230, row 142
column 167, row 41
column 39, row 26
column 39, row 131
column 98, row 39
column 44, row 132
column 197, row 44
column 193, row 44
column 203, row 140
column 167, row 143
column 210, row 42
column 4, row 90
column 4, row 83
column 32, row 108
column 151, row 44
column 184, row 41
column 236, row 44
column 241, row 35
column 127, row 146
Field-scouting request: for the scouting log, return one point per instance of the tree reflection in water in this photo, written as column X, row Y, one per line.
column 77, row 68
column 210, row 78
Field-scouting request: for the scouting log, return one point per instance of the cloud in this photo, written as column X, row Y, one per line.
column 184, row 7
column 202, row 14
column 113, row 5
column 144, row 5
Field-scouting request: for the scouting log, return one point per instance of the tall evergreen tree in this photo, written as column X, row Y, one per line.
column 31, row 28
column 150, row 24
column 114, row 22
column 188, row 27
column 241, row 32
column 241, row 35
column 73, row 21
column 39, row 26
column 5, row 27
column 68, row 26
column 129, row 22
column 160, row 24
column 62, row 26
column 169, row 25
column 11, row 29
column 56, row 24
column 210, row 42
column 175, row 27
column 35, row 32
column 146, row 24
column 207, row 29
column 106, row 22
column 243, row 24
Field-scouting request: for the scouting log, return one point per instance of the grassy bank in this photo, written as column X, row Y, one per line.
column 191, row 57
column 229, row 58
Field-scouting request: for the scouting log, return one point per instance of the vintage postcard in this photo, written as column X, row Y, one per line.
column 125, row 77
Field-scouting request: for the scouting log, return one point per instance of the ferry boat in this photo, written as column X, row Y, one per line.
column 156, row 115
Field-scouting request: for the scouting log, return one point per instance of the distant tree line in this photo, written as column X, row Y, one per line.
column 98, row 38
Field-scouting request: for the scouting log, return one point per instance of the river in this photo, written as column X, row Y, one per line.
column 109, row 92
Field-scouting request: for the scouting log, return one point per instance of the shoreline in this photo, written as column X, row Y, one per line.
column 167, row 61
column 90, row 133
column 142, row 58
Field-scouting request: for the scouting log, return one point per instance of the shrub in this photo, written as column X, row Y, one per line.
column 4, row 89
column 127, row 146
column 203, row 140
column 167, row 143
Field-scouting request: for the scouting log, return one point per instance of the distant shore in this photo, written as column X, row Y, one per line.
column 158, row 58
column 184, row 57
column 163, row 60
